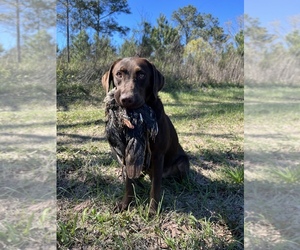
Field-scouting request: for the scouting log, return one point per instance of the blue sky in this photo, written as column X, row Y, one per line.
column 225, row 10
column 270, row 11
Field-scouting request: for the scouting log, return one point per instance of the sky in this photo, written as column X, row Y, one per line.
column 270, row 11
column 225, row 10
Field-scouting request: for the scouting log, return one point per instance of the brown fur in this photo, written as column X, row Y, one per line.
column 138, row 82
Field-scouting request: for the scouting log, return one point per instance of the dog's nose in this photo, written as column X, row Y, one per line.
column 127, row 100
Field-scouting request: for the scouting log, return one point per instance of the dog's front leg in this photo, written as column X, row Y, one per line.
column 157, row 164
column 128, row 196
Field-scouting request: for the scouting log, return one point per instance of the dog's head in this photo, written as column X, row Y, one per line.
column 137, row 81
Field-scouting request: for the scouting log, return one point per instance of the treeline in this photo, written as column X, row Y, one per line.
column 29, row 22
column 27, row 72
column 272, row 58
column 190, row 49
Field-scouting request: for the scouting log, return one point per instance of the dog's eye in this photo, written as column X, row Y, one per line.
column 141, row 75
column 119, row 74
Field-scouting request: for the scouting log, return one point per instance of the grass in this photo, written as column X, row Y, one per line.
column 205, row 212
column 28, row 157
column 27, row 179
column 272, row 167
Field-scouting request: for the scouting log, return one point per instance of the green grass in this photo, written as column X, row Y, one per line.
column 204, row 212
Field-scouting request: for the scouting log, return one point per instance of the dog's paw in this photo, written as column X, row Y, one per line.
column 119, row 207
column 152, row 212
column 153, row 208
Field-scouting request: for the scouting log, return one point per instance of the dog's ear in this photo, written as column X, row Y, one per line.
column 158, row 80
column 107, row 78
column 106, row 81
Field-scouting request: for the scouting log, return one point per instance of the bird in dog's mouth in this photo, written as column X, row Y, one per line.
column 129, row 132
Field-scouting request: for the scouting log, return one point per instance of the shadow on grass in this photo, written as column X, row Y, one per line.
column 78, row 96
column 200, row 110
column 226, row 136
column 17, row 94
column 272, row 214
column 26, row 180
column 204, row 89
column 32, row 137
column 272, row 194
column 273, row 159
column 76, row 138
column 80, row 124
column 80, row 139
column 27, row 161
column 215, row 200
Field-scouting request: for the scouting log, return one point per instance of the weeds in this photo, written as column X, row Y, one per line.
column 287, row 175
column 235, row 175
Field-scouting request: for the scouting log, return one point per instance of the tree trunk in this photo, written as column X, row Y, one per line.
column 68, row 32
column 18, row 31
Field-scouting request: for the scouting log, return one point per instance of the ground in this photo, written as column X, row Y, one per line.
column 204, row 212
column 272, row 172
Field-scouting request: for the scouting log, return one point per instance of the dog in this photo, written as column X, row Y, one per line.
column 137, row 82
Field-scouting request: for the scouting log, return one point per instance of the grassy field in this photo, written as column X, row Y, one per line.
column 205, row 212
column 27, row 165
column 272, row 174
column 27, row 180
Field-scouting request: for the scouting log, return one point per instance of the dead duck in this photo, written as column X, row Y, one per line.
column 129, row 133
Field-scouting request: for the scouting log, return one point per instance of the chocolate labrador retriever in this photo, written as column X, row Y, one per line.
column 137, row 82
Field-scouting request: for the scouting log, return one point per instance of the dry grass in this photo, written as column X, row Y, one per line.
column 272, row 173
column 28, row 155
column 28, row 207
